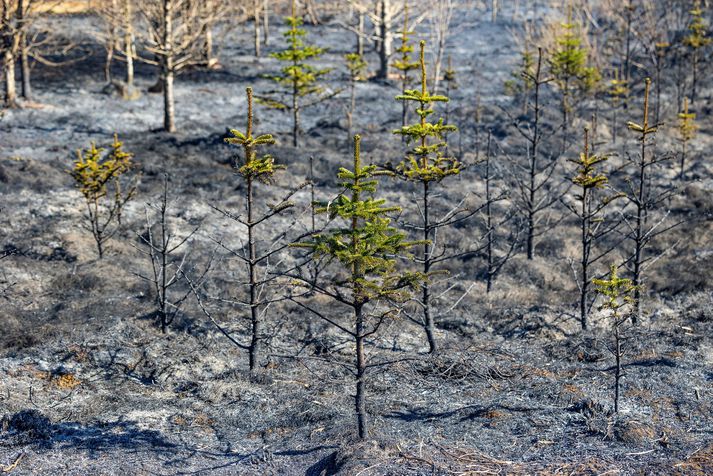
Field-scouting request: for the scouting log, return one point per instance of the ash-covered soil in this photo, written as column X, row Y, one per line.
column 89, row 385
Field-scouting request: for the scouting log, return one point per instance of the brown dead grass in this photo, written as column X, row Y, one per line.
column 66, row 381
column 469, row 462
column 700, row 463
column 66, row 7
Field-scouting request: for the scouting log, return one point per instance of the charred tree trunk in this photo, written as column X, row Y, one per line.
column 360, row 397
column 256, row 341
column 429, row 325
column 534, row 150
column 384, row 39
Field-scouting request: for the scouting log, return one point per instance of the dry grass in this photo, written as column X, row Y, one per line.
column 66, row 7
column 700, row 463
column 66, row 381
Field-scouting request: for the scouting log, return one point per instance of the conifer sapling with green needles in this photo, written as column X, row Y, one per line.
column 569, row 66
column 260, row 254
column 363, row 246
column 616, row 292
column 300, row 79
column 101, row 178
column 426, row 164
column 405, row 63
column 696, row 40
column 648, row 219
column 591, row 202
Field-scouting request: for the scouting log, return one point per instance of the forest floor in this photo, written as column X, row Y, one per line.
column 89, row 385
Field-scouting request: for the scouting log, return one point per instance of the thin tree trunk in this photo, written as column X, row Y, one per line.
column 585, row 260
column 360, row 398
column 169, row 118
column 531, row 206
column 129, row 43
column 641, row 213
column 429, row 325
column 10, row 91
column 256, row 342
column 256, row 31
column 489, row 218
column 266, row 22
column 22, row 48
column 384, row 40
column 617, row 370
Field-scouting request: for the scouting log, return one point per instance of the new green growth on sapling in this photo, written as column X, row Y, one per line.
column 106, row 186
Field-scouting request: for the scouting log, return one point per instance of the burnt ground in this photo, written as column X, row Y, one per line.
column 88, row 385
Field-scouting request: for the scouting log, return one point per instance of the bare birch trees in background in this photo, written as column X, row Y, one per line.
column 175, row 34
column 21, row 39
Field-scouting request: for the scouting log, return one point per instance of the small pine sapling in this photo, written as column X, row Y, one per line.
column 168, row 257
column 687, row 128
column 357, row 72
column 101, row 180
column 260, row 254
column 616, row 292
column 590, row 187
column 300, row 79
column 645, row 196
column 364, row 245
column 569, row 66
column 427, row 165
column 696, row 41
column 255, row 169
column 405, row 63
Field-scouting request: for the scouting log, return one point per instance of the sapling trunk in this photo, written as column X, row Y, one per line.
column 617, row 294
column 489, row 219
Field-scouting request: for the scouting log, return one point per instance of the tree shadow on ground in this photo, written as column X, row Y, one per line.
column 469, row 412
column 32, row 428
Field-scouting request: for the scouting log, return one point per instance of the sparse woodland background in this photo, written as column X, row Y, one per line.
column 356, row 237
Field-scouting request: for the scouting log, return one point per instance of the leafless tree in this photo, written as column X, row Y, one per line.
column 384, row 15
column 498, row 251
column 439, row 22
column 534, row 181
column 174, row 32
column 10, row 42
column 168, row 258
